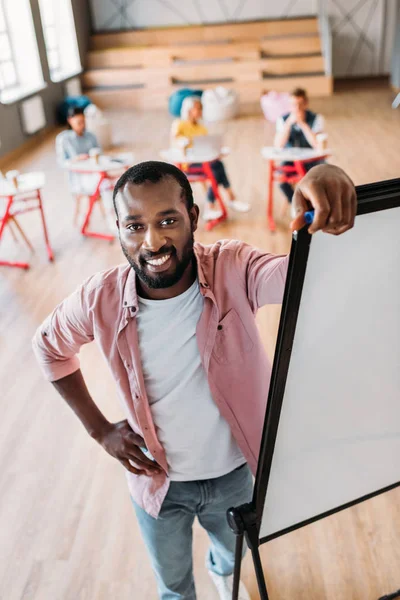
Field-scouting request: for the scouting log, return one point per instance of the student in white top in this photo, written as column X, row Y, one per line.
column 298, row 129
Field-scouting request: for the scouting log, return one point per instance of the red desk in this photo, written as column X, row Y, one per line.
column 198, row 174
column 17, row 201
column 106, row 168
column 290, row 174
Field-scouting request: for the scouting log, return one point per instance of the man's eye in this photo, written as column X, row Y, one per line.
column 135, row 227
column 168, row 222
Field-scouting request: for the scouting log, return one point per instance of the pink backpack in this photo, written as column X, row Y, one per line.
column 275, row 105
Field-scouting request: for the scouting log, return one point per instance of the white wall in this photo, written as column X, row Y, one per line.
column 127, row 14
column 363, row 35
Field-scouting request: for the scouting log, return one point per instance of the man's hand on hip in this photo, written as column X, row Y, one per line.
column 331, row 194
column 122, row 443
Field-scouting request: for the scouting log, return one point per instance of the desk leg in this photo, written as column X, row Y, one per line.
column 210, row 176
column 92, row 201
column 4, row 220
column 22, row 233
column 270, row 197
column 46, row 235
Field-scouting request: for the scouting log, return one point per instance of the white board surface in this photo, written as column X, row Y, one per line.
column 339, row 431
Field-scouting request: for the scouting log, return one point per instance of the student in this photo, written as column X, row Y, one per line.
column 298, row 129
column 190, row 126
column 75, row 144
column 176, row 325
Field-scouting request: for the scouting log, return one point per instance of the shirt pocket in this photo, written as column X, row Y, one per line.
column 232, row 341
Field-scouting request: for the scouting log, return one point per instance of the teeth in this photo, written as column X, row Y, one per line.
column 157, row 262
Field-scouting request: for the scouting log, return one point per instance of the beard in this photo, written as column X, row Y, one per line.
column 162, row 280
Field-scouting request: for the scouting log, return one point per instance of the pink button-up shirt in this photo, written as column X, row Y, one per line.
column 235, row 280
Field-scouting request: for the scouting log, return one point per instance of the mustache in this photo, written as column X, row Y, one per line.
column 145, row 256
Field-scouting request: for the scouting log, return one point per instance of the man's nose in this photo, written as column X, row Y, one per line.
column 154, row 240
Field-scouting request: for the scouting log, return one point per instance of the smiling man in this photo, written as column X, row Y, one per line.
column 177, row 328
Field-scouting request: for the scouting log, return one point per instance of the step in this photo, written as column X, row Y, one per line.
column 161, row 56
column 151, row 78
column 217, row 72
column 244, row 31
column 142, row 98
column 291, row 45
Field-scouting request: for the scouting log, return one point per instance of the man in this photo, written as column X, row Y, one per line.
column 177, row 328
column 298, row 129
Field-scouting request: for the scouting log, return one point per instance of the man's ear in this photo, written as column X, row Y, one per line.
column 194, row 216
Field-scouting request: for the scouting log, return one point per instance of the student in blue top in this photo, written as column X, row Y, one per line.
column 298, row 129
column 74, row 144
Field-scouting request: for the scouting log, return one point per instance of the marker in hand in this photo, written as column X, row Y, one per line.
column 302, row 220
column 309, row 217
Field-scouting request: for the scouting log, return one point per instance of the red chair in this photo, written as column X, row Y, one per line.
column 205, row 174
column 18, row 201
column 284, row 174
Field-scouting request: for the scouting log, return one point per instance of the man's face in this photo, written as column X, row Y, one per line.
column 298, row 104
column 156, row 231
column 77, row 123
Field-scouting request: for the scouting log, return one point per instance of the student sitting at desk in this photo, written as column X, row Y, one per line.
column 189, row 126
column 298, row 129
column 75, row 144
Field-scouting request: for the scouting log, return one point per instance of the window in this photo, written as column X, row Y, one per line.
column 20, row 69
column 60, row 37
column 8, row 71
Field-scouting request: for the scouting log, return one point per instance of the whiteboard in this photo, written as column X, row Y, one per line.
column 338, row 436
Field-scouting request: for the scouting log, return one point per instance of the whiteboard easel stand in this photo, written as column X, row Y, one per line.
column 245, row 520
column 391, row 596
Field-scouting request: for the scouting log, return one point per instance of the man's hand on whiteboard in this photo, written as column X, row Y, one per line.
column 331, row 194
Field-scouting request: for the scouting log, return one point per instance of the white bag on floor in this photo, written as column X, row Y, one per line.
column 220, row 104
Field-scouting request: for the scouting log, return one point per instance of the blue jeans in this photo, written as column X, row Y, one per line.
column 218, row 169
column 169, row 538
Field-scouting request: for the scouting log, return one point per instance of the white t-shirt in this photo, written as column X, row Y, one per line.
column 197, row 440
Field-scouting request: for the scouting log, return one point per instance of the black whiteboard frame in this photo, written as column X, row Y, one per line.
column 372, row 197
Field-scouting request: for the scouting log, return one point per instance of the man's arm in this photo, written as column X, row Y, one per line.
column 283, row 131
column 117, row 439
column 56, row 345
column 61, row 153
column 331, row 193
column 310, row 133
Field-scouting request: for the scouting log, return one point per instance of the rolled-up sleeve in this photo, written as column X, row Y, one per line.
column 264, row 275
column 58, row 340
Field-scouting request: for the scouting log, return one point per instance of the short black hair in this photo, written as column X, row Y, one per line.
column 73, row 111
column 154, row 171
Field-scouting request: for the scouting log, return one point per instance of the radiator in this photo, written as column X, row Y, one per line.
column 32, row 115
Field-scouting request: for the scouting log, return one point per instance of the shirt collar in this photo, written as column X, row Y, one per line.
column 200, row 272
column 130, row 299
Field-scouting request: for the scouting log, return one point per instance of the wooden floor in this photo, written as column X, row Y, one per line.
column 67, row 529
